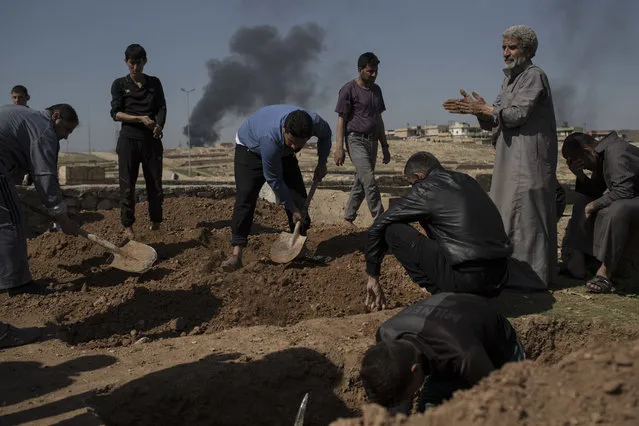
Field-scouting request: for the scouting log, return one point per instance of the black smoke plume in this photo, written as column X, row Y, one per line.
column 589, row 40
column 264, row 68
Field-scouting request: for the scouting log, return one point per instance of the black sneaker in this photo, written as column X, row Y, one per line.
column 32, row 287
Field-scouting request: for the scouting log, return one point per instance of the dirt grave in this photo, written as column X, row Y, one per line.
column 244, row 347
column 262, row 379
column 186, row 292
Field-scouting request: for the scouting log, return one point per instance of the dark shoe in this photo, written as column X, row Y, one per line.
column 32, row 287
column 233, row 263
column 10, row 336
column 155, row 226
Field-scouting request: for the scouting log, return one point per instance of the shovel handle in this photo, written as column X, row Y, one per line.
column 92, row 237
column 311, row 192
column 296, row 232
column 99, row 241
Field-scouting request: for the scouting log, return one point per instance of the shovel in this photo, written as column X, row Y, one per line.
column 299, row 419
column 132, row 257
column 288, row 245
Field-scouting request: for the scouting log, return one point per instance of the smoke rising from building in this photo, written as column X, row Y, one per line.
column 263, row 68
column 588, row 41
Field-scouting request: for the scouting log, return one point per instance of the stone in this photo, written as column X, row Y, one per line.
column 142, row 340
column 623, row 361
column 613, row 387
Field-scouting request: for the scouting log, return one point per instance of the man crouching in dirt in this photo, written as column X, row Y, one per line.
column 611, row 192
column 467, row 248
column 265, row 149
column 29, row 142
column 441, row 344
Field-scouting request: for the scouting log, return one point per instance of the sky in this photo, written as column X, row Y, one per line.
column 72, row 50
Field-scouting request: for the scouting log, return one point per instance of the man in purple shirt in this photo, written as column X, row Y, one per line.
column 265, row 148
column 359, row 107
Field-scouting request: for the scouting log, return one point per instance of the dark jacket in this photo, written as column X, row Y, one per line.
column 617, row 174
column 459, row 335
column 454, row 209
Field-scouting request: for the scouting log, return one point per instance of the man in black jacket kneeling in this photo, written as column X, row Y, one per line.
column 466, row 250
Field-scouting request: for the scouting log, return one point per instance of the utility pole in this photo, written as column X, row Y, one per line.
column 89, row 128
column 188, row 123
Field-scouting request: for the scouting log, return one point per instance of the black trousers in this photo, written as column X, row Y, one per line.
column 425, row 262
column 249, row 178
column 132, row 152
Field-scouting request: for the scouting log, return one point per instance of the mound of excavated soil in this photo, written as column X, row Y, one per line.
column 186, row 292
column 585, row 388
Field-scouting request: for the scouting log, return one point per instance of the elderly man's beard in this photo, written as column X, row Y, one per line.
column 517, row 61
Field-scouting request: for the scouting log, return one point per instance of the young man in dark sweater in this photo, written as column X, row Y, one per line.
column 137, row 100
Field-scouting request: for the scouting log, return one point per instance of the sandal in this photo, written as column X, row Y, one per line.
column 600, row 285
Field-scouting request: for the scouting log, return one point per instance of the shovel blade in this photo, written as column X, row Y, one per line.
column 136, row 257
column 287, row 247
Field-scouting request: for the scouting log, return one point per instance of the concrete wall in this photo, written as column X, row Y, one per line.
column 81, row 175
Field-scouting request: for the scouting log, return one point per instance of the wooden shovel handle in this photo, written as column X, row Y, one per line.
column 311, row 192
column 92, row 237
column 296, row 232
column 104, row 243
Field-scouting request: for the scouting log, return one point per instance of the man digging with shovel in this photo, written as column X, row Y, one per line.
column 29, row 142
column 266, row 144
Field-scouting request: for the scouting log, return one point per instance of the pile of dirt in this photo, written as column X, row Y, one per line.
column 598, row 386
column 548, row 340
column 186, row 291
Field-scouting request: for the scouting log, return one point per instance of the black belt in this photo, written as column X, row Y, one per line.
column 364, row 135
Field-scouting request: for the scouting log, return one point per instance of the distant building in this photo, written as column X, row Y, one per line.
column 406, row 132
column 459, row 130
column 598, row 134
column 479, row 134
column 629, row 135
column 431, row 131
column 563, row 132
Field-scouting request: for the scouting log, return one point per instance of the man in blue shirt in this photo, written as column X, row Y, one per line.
column 265, row 149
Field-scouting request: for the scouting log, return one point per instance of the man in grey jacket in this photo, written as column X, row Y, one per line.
column 524, row 183
column 29, row 142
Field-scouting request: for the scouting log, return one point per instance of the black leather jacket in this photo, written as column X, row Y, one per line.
column 454, row 209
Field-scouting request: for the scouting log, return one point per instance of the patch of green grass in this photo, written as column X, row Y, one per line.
column 569, row 300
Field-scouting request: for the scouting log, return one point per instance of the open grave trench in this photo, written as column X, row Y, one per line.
column 266, row 388
column 283, row 330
